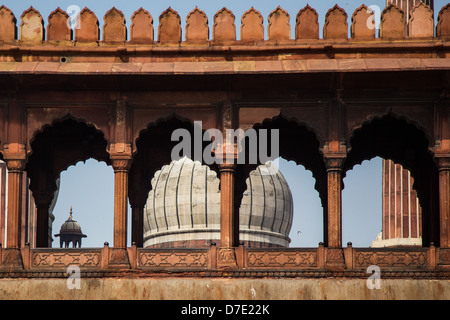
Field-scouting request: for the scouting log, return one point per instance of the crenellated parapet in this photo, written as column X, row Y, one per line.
column 141, row 30
column 87, row 29
column 197, row 26
column 338, row 25
column 307, row 24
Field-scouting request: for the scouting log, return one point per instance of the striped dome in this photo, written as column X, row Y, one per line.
column 184, row 206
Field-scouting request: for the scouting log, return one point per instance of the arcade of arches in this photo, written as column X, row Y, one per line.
column 335, row 103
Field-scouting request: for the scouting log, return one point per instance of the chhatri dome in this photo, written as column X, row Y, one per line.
column 70, row 232
column 183, row 207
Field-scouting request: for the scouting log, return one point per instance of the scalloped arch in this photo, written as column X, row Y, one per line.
column 60, row 119
column 368, row 156
column 37, row 168
column 293, row 118
column 318, row 170
column 153, row 124
column 392, row 114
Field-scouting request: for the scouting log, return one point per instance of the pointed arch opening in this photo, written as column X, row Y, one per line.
column 161, row 143
column 393, row 138
column 55, row 148
column 299, row 160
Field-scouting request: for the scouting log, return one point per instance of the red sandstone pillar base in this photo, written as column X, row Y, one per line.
column 11, row 259
column 118, row 258
column 226, row 258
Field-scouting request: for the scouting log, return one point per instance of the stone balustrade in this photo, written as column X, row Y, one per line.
column 409, row 262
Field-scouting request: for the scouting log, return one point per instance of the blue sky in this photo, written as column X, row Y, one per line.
column 89, row 187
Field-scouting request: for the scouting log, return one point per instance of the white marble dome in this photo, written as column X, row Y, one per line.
column 184, row 207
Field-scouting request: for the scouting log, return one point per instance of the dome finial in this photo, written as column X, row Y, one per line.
column 70, row 213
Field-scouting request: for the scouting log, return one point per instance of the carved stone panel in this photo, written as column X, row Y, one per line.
column 118, row 257
column 252, row 25
column 197, row 26
column 282, row 259
column 11, row 257
column 173, row 259
column 335, row 257
column 444, row 256
column 62, row 259
column 387, row 258
column 279, row 27
column 307, row 24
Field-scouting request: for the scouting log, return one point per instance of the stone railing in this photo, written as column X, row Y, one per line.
column 336, row 27
column 315, row 260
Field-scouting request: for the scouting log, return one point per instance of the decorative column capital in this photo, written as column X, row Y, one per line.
column 121, row 164
column 335, row 153
column 226, row 156
column 443, row 163
column 119, row 149
column 227, row 167
column 15, row 157
column 15, row 165
column 334, row 162
column 43, row 198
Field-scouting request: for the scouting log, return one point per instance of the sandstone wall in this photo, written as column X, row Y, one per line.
column 222, row 288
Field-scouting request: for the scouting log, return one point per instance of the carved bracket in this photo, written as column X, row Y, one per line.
column 121, row 164
column 443, row 163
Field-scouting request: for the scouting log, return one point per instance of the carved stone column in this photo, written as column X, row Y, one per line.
column 227, row 205
column 121, row 167
column 334, row 185
column 444, row 200
column 15, row 171
column 226, row 254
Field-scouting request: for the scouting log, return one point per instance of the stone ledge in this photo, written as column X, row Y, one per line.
column 167, row 273
column 235, row 67
column 223, row 289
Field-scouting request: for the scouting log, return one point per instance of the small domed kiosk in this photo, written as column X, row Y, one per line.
column 70, row 232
